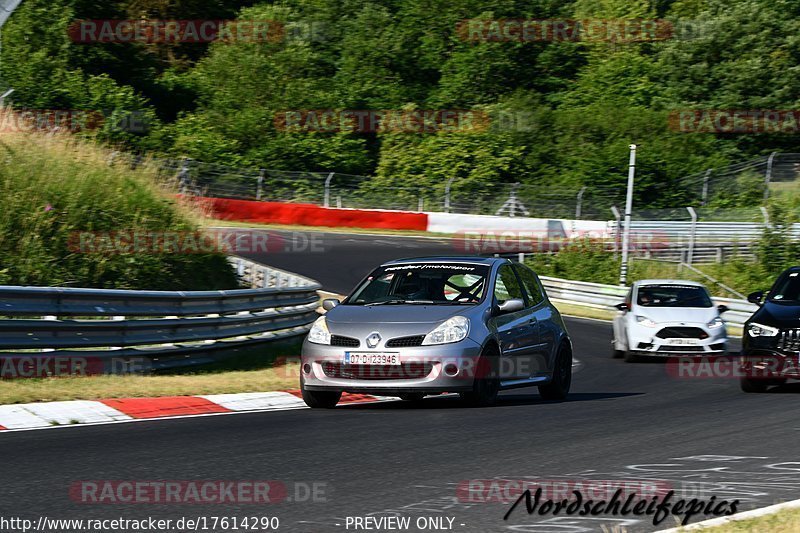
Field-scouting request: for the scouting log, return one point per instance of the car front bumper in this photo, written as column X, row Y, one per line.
column 644, row 340
column 763, row 359
column 422, row 369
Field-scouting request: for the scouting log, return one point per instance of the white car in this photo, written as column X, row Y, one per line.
column 667, row 318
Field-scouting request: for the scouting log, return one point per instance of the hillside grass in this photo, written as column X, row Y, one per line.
column 53, row 186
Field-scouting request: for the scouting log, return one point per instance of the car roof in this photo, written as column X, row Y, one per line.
column 667, row 282
column 473, row 259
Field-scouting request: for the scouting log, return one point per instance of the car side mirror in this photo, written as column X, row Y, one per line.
column 755, row 297
column 623, row 307
column 722, row 308
column 510, row 306
column 330, row 303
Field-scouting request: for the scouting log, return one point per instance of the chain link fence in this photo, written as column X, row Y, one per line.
column 706, row 190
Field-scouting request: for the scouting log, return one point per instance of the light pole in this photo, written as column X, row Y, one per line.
column 626, row 232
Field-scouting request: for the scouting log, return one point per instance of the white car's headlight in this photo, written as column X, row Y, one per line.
column 451, row 330
column 644, row 321
column 760, row 330
column 319, row 333
column 715, row 323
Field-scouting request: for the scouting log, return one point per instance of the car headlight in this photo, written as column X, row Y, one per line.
column 319, row 333
column 644, row 321
column 451, row 330
column 715, row 323
column 760, row 330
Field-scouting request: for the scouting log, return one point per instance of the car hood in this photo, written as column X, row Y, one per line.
column 394, row 314
column 688, row 315
column 780, row 315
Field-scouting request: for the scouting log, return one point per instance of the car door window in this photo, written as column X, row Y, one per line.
column 531, row 284
column 507, row 285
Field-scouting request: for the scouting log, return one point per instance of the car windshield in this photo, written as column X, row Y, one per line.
column 786, row 289
column 673, row 296
column 423, row 283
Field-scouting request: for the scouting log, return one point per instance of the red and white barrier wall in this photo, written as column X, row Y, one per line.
column 453, row 223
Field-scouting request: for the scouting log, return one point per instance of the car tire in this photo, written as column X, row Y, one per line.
column 753, row 385
column 759, row 385
column 616, row 354
column 558, row 387
column 413, row 397
column 320, row 399
column 486, row 384
column 630, row 357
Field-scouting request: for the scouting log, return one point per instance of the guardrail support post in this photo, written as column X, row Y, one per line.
column 692, row 232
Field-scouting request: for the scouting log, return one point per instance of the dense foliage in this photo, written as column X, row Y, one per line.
column 569, row 109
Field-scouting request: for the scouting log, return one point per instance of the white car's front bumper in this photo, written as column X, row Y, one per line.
column 667, row 339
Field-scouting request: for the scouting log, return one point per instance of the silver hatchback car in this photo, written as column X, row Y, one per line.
column 433, row 325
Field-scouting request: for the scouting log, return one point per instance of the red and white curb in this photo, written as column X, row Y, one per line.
column 27, row 416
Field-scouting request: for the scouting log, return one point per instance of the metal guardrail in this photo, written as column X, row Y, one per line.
column 168, row 328
column 600, row 296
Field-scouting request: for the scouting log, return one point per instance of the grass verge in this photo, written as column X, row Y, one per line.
column 787, row 521
column 270, row 367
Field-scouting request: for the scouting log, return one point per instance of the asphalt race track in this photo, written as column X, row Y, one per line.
column 631, row 424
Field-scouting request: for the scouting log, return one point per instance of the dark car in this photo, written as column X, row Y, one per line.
column 771, row 338
column 431, row 325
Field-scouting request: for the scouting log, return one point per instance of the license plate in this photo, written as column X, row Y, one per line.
column 691, row 342
column 371, row 358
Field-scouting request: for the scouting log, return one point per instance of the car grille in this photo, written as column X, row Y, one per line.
column 403, row 342
column 789, row 340
column 695, row 349
column 678, row 332
column 377, row 372
column 348, row 342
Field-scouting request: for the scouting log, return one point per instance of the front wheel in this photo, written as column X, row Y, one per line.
column 616, row 354
column 753, row 385
column 486, row 385
column 558, row 387
column 759, row 385
column 320, row 399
